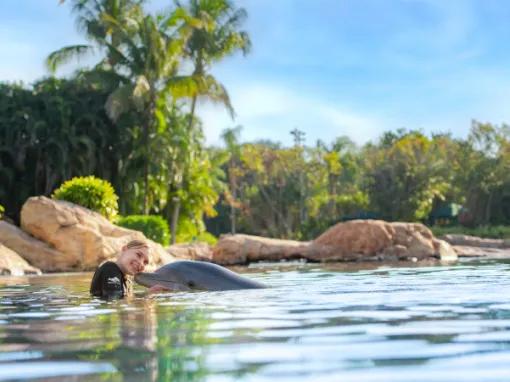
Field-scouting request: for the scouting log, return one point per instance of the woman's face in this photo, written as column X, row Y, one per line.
column 133, row 260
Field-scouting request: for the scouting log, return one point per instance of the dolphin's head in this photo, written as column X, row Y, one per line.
column 160, row 277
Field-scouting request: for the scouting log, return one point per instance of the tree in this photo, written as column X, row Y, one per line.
column 483, row 172
column 49, row 133
column 143, row 53
column 96, row 19
column 234, row 171
column 211, row 44
column 405, row 176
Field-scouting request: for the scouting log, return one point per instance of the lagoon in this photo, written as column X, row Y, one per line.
column 317, row 322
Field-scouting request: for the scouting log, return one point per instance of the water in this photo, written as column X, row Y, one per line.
column 315, row 323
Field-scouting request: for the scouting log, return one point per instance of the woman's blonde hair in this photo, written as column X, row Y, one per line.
column 137, row 244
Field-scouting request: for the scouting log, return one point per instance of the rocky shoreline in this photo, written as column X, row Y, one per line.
column 57, row 236
column 472, row 246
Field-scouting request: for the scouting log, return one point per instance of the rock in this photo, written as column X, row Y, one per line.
column 474, row 241
column 416, row 238
column 195, row 251
column 377, row 240
column 13, row 264
column 36, row 252
column 395, row 252
column 445, row 250
column 356, row 237
column 79, row 239
column 473, row 246
column 85, row 237
column 242, row 249
column 492, row 253
column 357, row 240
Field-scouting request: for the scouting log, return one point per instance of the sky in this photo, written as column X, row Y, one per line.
column 327, row 67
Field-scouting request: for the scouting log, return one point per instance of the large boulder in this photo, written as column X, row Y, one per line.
column 191, row 251
column 13, row 264
column 85, row 237
column 353, row 240
column 242, row 249
column 378, row 240
column 36, row 252
column 357, row 240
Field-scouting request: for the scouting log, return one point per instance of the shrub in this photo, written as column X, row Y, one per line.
column 2, row 210
column 152, row 226
column 188, row 232
column 90, row 192
column 207, row 237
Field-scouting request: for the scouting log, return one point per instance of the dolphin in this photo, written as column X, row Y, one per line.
column 187, row 275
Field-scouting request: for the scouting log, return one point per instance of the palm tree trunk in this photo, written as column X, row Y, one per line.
column 146, row 135
column 198, row 70
column 192, row 112
column 175, row 218
column 233, row 209
column 146, row 170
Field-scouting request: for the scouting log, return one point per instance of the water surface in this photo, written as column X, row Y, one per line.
column 316, row 322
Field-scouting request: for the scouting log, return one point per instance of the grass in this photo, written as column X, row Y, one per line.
column 490, row 232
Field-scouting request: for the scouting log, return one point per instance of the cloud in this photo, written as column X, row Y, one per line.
column 268, row 111
column 20, row 60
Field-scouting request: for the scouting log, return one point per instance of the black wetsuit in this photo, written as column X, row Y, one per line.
column 109, row 281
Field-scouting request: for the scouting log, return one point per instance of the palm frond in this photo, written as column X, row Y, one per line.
column 66, row 54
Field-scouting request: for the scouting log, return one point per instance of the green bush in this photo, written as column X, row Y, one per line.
column 489, row 232
column 153, row 227
column 188, row 232
column 90, row 192
column 2, row 210
column 203, row 237
column 207, row 237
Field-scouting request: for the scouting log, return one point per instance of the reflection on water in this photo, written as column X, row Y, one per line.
column 316, row 322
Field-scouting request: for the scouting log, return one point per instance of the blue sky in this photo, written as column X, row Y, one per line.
column 327, row 67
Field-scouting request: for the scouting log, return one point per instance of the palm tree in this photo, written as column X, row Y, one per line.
column 215, row 35
column 94, row 19
column 151, row 57
column 142, row 54
column 211, row 44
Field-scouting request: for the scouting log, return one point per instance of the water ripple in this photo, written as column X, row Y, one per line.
column 317, row 322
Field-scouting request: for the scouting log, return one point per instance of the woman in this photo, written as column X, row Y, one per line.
column 110, row 279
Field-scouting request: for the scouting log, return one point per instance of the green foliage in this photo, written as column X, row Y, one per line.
column 492, row 232
column 406, row 175
column 144, row 54
column 151, row 148
column 90, row 192
column 207, row 237
column 189, row 231
column 52, row 132
column 2, row 210
column 154, row 227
